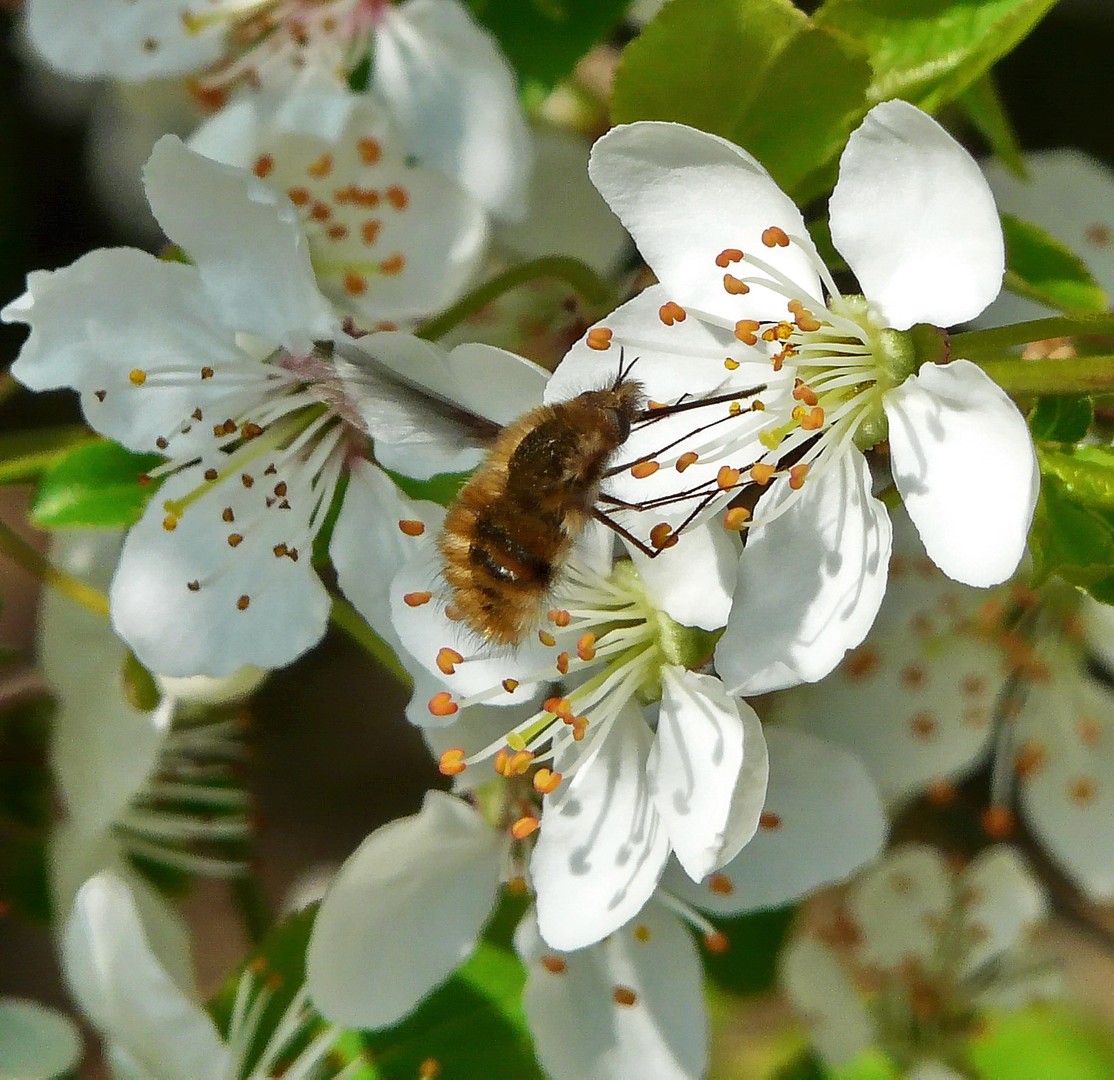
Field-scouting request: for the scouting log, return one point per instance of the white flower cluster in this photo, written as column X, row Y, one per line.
column 730, row 538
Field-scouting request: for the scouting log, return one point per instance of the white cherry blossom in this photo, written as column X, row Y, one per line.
column 913, row 957
column 915, row 220
column 36, row 1042
column 951, row 677
column 410, row 903
column 389, row 239
column 443, row 76
column 237, row 369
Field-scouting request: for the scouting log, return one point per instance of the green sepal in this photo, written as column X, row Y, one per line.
column 1064, row 419
column 1041, row 268
column 95, row 486
column 441, row 489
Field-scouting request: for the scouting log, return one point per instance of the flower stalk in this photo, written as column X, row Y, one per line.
column 24, row 555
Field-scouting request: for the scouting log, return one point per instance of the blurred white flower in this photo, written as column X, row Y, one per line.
column 36, row 1043
column 913, row 957
column 149, row 1016
column 915, row 220
column 950, row 676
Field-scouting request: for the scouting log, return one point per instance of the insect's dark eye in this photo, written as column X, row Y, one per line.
column 622, row 424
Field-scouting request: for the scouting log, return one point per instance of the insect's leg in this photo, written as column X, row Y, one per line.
column 616, row 469
column 626, row 534
column 680, row 406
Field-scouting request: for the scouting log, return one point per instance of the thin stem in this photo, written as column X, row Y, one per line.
column 255, row 913
column 1083, row 374
column 976, row 343
column 347, row 618
column 581, row 277
column 23, row 554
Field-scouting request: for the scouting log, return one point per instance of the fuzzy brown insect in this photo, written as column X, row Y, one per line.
column 514, row 522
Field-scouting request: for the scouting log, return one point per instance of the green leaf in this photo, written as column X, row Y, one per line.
column 757, row 72
column 24, row 455
column 983, row 107
column 1064, row 419
column 1040, row 267
column 95, row 486
column 1045, row 1043
column 544, row 39
column 1086, row 474
column 1072, row 540
column 929, row 51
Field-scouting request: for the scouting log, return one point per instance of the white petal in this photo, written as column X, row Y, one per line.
column 694, row 769
column 964, row 463
column 246, row 240
column 900, row 906
column 126, row 992
column 36, row 1043
column 454, row 93
column 915, row 220
column 693, row 581
column 1067, row 730
column 1006, row 901
column 565, row 215
column 102, row 748
column 403, row 912
column 810, row 583
column 581, row 1032
column 127, row 39
column 840, row 1027
column 114, row 311
column 177, row 630
column 685, row 196
column 914, row 701
column 813, row 833
column 368, row 522
column 601, row 847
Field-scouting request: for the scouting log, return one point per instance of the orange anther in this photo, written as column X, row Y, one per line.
column 170, row 522
column 662, row 536
column 510, row 685
column 559, row 706
column 579, row 728
column 546, row 782
column 442, row 704
column 998, row 822
column 321, row 167
column 586, row 646
column 813, row 420
column 721, row 885
column 235, row 539
column 452, row 762
column 672, row 312
column 624, row 995
column 354, row 284
column 369, row 150
column 337, row 233
column 559, row 616
column 207, row 373
column 736, row 518
column 519, row 763
column 320, row 211
column 803, row 392
column 728, row 256
column 243, row 602
column 416, row 599
column 762, row 473
column 299, row 196
column 746, row 331
column 775, row 237
column 1082, row 791
column 797, row 476
column 727, row 477
column 644, row 469
column 562, row 663
column 716, row 942
column 500, row 762
column 411, row 527
column 393, row 264
column 430, row 1069
column 735, row 286
column 689, row 457
column 554, row 964
column 599, row 338
column 731, row 365
column 264, row 165
column 546, row 638
column 524, row 827
column 397, row 197
column 447, row 659
column 137, row 376
column 369, row 230
column 769, row 820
